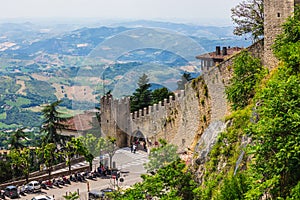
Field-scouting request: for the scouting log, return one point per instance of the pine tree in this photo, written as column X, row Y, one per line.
column 142, row 96
column 53, row 122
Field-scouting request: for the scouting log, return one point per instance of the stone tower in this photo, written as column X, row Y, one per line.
column 275, row 13
column 106, row 115
column 115, row 119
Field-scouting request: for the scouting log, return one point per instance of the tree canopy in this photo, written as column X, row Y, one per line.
column 161, row 156
column 276, row 134
column 160, row 94
column 53, row 122
column 247, row 72
column 172, row 181
column 144, row 96
column 249, row 18
column 20, row 160
column 17, row 139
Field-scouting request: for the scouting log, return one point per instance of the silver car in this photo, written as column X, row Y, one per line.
column 33, row 186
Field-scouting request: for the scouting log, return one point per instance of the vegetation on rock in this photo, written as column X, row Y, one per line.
column 267, row 119
column 247, row 73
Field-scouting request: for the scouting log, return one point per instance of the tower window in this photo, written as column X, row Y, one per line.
column 278, row 14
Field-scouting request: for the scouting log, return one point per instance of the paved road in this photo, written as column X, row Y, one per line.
column 129, row 163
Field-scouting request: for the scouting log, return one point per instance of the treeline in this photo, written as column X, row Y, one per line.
column 27, row 154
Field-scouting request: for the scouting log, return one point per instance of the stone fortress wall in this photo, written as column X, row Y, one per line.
column 182, row 120
column 175, row 119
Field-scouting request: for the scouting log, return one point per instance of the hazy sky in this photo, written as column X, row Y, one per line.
column 201, row 11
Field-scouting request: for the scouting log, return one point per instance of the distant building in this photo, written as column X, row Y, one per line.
column 80, row 124
column 218, row 56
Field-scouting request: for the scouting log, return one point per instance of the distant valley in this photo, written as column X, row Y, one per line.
column 40, row 63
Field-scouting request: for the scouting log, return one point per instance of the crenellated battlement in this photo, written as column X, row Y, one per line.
column 156, row 108
column 117, row 119
column 117, row 104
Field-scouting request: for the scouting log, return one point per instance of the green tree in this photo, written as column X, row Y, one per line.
column 52, row 124
column 21, row 160
column 69, row 152
column 89, row 158
column 161, row 94
column 109, row 146
column 96, row 146
column 73, row 147
column 287, row 44
column 249, row 18
column 81, row 149
column 17, row 139
column 276, row 134
column 185, row 78
column 161, row 156
column 233, row 187
column 4, row 141
column 247, row 72
column 91, row 142
column 276, row 138
column 295, row 193
column 142, row 96
column 48, row 154
column 172, row 181
column 6, row 172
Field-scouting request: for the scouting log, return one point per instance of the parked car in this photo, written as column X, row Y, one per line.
column 42, row 197
column 33, row 186
column 95, row 194
column 11, row 192
column 99, row 194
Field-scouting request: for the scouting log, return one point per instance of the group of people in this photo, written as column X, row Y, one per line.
column 134, row 146
column 102, row 170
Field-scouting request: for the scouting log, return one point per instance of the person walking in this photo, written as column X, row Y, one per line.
column 134, row 148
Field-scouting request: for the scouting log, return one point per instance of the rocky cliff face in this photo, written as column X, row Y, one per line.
column 216, row 79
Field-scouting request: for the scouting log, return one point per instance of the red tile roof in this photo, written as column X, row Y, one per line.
column 80, row 122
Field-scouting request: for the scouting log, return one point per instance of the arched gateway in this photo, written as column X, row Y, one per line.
column 139, row 139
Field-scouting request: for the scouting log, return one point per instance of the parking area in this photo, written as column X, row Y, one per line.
column 129, row 164
column 84, row 187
